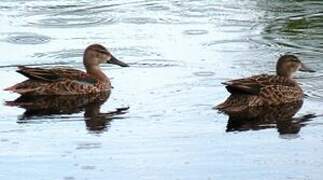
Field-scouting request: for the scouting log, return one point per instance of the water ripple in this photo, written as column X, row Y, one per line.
column 62, row 54
column 71, row 22
column 135, row 51
column 157, row 7
column 27, row 38
column 299, row 32
column 140, row 20
column 157, row 63
column 195, row 32
column 88, row 145
column 204, row 73
column 233, row 45
column 313, row 85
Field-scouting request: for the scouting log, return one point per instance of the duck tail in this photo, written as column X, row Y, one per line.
column 232, row 105
column 21, row 88
column 226, row 108
column 11, row 88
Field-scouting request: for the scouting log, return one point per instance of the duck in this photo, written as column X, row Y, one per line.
column 68, row 81
column 265, row 89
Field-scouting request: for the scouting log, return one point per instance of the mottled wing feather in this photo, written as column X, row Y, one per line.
column 57, row 81
column 254, row 84
column 275, row 94
column 55, row 74
column 59, row 87
column 69, row 87
column 258, row 91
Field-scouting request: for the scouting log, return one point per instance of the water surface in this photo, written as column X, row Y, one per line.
column 179, row 52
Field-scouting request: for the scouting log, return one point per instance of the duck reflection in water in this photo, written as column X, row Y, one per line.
column 280, row 117
column 40, row 106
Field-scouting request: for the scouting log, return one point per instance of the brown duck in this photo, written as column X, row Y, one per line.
column 68, row 81
column 265, row 90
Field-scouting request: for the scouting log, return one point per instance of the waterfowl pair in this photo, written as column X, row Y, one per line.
column 67, row 81
column 265, row 90
column 254, row 91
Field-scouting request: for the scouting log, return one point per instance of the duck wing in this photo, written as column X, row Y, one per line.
column 256, row 84
column 59, row 87
column 276, row 94
column 54, row 74
column 56, row 81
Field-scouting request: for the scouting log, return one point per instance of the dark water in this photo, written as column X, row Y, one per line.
column 179, row 52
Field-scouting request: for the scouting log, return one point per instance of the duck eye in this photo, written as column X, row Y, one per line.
column 102, row 51
column 294, row 65
column 290, row 65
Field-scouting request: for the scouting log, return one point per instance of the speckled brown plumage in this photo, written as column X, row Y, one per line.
column 58, row 81
column 68, row 81
column 265, row 90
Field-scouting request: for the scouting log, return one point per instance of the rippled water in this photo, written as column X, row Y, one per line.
column 179, row 52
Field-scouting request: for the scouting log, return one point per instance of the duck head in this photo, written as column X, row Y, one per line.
column 96, row 54
column 289, row 64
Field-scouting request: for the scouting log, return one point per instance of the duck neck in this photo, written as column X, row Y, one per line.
column 283, row 73
column 95, row 71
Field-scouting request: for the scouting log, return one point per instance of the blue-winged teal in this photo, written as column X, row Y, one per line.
column 67, row 81
column 263, row 90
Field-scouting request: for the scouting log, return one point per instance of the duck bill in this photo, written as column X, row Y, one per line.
column 116, row 61
column 304, row 68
